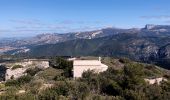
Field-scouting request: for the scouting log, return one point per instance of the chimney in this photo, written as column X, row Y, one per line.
column 99, row 58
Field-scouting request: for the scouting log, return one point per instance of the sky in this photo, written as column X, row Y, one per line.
column 25, row 18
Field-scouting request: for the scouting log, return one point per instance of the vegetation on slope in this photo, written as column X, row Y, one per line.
column 123, row 83
column 16, row 67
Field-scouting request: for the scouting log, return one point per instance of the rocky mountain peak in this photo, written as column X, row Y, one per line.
column 149, row 26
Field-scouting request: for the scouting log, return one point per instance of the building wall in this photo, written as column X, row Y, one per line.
column 78, row 69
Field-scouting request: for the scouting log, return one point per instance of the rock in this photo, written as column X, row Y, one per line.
column 14, row 74
column 27, row 63
column 164, row 52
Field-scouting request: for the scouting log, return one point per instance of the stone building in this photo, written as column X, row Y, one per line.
column 80, row 66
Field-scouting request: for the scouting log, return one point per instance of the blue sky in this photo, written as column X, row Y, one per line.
column 22, row 18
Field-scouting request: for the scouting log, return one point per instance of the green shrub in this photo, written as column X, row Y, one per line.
column 18, row 82
column 60, row 63
column 10, row 94
column 62, row 89
column 135, row 95
column 124, row 60
column 11, row 83
column 33, row 71
column 102, row 97
column 113, row 89
column 133, row 75
column 59, row 78
column 16, row 67
column 34, row 86
column 50, row 73
column 79, row 91
column 26, row 96
column 24, row 79
column 2, row 86
column 48, row 94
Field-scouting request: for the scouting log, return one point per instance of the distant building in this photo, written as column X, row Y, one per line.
column 155, row 80
column 71, row 59
column 80, row 66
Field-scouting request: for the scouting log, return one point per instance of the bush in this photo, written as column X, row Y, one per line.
column 16, row 67
column 133, row 75
column 18, row 82
column 2, row 86
column 10, row 94
column 59, row 78
column 33, row 71
column 152, row 71
column 62, row 89
column 34, row 86
column 26, row 96
column 11, row 83
column 113, row 89
column 124, row 60
column 60, row 63
column 24, row 79
column 101, row 97
column 83, row 90
column 49, row 73
column 48, row 94
column 134, row 95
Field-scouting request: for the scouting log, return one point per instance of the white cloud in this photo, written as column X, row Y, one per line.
column 162, row 17
column 27, row 22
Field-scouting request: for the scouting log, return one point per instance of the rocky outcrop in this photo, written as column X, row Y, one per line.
column 149, row 26
column 27, row 63
column 14, row 74
column 164, row 52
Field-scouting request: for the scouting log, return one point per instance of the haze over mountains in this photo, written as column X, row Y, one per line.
column 52, row 38
column 148, row 44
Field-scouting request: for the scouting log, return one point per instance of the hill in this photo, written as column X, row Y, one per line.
column 123, row 80
column 140, row 48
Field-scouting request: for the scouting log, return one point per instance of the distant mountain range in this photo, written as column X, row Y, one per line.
column 149, row 30
column 149, row 44
column 56, row 37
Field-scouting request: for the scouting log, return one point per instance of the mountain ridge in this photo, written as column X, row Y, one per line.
column 149, row 44
column 145, row 49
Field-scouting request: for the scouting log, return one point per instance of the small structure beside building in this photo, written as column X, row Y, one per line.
column 80, row 66
column 155, row 80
